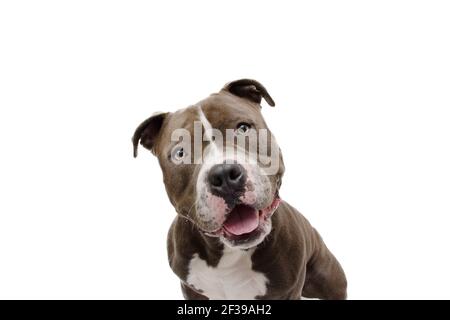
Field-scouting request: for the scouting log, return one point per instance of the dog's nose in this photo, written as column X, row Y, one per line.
column 226, row 178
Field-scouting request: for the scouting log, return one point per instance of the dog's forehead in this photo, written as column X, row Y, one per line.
column 223, row 109
column 219, row 110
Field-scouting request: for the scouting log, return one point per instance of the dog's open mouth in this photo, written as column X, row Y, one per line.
column 244, row 221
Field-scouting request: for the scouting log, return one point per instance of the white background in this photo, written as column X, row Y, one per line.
column 363, row 96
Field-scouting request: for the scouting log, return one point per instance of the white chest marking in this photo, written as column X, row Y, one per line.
column 232, row 278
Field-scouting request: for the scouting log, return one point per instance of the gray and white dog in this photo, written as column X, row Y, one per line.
column 233, row 237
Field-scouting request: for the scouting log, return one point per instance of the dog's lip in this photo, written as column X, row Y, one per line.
column 263, row 215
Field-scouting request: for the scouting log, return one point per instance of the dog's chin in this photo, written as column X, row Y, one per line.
column 245, row 226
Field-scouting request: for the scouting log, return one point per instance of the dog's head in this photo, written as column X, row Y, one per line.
column 221, row 165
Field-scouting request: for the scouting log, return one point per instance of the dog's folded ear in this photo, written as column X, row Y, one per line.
column 148, row 131
column 249, row 89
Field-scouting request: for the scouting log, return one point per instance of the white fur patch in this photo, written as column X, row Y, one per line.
column 233, row 278
column 209, row 132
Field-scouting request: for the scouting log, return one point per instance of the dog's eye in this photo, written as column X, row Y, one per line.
column 178, row 153
column 242, row 128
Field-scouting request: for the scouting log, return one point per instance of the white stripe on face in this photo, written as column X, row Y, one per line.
column 205, row 122
column 212, row 150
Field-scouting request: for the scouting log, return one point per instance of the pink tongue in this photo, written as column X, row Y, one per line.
column 242, row 219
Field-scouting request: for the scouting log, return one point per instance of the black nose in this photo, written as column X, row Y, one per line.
column 226, row 179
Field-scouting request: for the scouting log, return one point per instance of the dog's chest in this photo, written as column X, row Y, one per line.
column 232, row 278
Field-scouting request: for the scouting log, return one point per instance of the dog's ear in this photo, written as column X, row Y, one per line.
column 249, row 89
column 148, row 131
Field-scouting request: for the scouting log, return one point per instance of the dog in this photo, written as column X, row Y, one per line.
column 233, row 237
